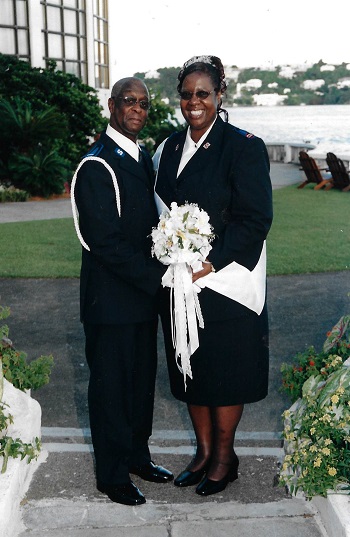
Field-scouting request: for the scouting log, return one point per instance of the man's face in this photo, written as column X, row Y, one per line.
column 129, row 111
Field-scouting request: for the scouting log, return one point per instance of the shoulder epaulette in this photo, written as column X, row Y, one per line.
column 244, row 133
column 94, row 151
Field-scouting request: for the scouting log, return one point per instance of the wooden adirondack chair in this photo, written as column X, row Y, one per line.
column 340, row 176
column 312, row 171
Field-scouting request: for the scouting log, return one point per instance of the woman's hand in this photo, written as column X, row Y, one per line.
column 207, row 269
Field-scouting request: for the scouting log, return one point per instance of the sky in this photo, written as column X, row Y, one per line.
column 247, row 33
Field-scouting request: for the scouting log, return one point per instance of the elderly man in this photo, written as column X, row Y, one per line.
column 118, row 285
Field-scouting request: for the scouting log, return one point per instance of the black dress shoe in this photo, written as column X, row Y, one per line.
column 208, row 486
column 188, row 478
column 127, row 494
column 152, row 472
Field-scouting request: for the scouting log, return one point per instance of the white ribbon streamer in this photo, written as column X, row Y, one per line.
column 185, row 312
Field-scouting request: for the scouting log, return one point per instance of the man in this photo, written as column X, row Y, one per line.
column 118, row 285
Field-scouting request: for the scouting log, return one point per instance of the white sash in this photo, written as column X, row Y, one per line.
column 72, row 197
column 239, row 283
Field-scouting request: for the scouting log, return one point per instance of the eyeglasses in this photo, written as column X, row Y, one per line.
column 132, row 101
column 201, row 95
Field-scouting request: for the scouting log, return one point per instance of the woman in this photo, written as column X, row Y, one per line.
column 225, row 171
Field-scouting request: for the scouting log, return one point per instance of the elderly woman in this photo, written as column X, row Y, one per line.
column 225, row 171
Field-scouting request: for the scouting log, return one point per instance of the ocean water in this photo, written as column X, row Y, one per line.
column 327, row 127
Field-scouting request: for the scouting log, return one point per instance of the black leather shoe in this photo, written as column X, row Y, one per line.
column 152, row 472
column 188, row 478
column 127, row 494
column 207, row 486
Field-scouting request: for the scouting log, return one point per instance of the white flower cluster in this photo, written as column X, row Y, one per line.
column 183, row 235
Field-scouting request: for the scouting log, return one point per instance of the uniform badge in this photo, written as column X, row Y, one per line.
column 177, row 147
column 206, row 145
column 119, row 152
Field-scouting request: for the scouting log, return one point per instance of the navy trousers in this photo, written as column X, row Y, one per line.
column 122, row 360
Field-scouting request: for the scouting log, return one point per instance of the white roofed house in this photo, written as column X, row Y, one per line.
column 313, row 84
column 343, row 83
column 269, row 99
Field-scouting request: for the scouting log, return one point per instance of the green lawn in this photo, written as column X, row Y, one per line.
column 310, row 233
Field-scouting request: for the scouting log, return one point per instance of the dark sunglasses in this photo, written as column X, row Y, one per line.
column 132, row 101
column 201, row 95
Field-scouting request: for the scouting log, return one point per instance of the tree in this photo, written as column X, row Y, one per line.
column 47, row 88
column 160, row 124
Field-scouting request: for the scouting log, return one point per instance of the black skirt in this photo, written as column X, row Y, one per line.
column 231, row 365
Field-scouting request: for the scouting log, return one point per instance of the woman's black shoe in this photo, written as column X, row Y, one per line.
column 188, row 478
column 208, row 486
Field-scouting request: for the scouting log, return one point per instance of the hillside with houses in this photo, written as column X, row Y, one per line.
column 286, row 85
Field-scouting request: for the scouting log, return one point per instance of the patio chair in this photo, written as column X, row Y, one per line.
column 340, row 176
column 312, row 171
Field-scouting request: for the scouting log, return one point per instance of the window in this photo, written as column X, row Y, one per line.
column 101, row 43
column 14, row 28
column 65, row 35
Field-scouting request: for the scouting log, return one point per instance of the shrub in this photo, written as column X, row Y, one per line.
column 10, row 193
column 310, row 362
column 39, row 173
column 46, row 88
column 24, row 376
column 317, row 425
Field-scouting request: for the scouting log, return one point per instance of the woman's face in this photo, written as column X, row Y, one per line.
column 199, row 112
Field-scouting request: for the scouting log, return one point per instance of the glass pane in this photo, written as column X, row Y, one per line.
column 54, row 19
column 100, row 29
column 97, row 82
column 103, row 8
column 96, row 52
column 59, row 66
column 71, row 45
column 70, row 3
column 83, row 73
column 83, row 49
column 103, row 53
column 70, row 21
column 95, row 28
column 21, row 13
column 72, row 68
column 101, row 77
column 82, row 4
column 7, row 16
column 57, row 2
column 22, row 36
column 104, row 77
column 8, row 41
column 55, row 46
column 105, row 32
column 82, row 25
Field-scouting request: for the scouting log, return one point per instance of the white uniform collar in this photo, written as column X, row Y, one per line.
column 190, row 147
column 189, row 143
column 132, row 148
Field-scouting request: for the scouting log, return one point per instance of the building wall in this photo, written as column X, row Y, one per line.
column 23, row 21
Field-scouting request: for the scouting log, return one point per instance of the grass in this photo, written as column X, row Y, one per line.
column 310, row 233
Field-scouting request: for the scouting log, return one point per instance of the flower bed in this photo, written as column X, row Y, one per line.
column 317, row 425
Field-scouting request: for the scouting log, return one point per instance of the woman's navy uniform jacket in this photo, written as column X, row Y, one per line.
column 228, row 177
